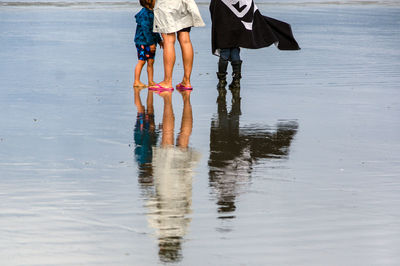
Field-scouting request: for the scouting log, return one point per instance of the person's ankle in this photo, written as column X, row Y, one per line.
column 185, row 82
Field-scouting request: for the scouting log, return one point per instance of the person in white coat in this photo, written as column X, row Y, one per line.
column 174, row 19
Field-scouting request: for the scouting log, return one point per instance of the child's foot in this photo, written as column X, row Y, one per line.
column 139, row 84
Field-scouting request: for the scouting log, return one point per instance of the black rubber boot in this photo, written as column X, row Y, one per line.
column 221, row 74
column 236, row 76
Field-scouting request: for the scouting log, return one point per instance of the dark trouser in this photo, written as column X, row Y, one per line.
column 226, row 55
column 230, row 54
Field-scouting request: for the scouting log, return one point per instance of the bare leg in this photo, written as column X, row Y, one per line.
column 150, row 110
column 187, row 121
column 138, row 71
column 187, row 56
column 168, row 120
column 137, row 99
column 169, row 58
column 149, row 102
column 150, row 71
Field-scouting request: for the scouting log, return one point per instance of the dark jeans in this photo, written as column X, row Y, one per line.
column 230, row 54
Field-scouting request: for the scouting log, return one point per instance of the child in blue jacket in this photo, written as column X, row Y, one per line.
column 146, row 42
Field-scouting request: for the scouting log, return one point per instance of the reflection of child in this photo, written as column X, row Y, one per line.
column 145, row 135
column 146, row 41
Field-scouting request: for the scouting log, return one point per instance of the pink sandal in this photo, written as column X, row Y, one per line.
column 181, row 88
column 157, row 88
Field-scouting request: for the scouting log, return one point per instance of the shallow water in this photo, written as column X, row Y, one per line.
column 304, row 170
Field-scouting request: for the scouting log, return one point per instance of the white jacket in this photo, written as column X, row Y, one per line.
column 173, row 15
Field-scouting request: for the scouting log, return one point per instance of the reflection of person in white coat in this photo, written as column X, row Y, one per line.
column 175, row 18
column 173, row 170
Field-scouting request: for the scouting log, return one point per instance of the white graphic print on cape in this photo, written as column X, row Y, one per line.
column 236, row 6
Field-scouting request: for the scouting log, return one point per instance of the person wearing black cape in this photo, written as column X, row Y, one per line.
column 239, row 23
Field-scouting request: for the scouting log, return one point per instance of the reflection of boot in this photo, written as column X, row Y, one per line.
column 235, row 109
column 221, row 97
column 221, row 74
column 221, row 105
column 236, row 76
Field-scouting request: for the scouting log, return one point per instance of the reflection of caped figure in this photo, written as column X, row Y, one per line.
column 234, row 149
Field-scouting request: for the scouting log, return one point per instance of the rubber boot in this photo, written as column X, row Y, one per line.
column 236, row 76
column 221, row 74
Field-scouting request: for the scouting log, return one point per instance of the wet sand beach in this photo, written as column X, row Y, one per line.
column 304, row 170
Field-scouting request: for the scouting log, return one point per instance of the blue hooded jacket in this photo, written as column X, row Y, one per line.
column 144, row 29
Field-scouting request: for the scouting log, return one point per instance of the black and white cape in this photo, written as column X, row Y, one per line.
column 239, row 23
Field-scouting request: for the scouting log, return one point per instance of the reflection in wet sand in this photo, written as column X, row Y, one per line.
column 145, row 136
column 234, row 150
column 170, row 200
